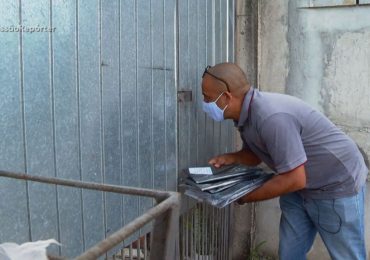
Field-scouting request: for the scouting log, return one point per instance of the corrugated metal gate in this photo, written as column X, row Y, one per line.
column 88, row 91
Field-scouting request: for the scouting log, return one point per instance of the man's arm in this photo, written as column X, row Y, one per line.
column 241, row 157
column 278, row 185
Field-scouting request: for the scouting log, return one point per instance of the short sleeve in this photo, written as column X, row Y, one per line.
column 245, row 146
column 281, row 136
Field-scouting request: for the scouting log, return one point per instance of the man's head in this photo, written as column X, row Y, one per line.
column 226, row 83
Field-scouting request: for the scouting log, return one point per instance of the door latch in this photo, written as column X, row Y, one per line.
column 184, row 96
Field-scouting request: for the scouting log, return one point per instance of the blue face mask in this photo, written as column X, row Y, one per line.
column 213, row 110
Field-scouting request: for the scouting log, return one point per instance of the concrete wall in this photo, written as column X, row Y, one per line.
column 321, row 55
column 246, row 57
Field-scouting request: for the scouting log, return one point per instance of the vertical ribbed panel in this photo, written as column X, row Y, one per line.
column 111, row 104
column 66, row 120
column 38, row 119
column 14, row 195
column 129, row 110
column 205, row 38
column 91, row 116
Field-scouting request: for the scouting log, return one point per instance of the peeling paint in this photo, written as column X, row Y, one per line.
column 346, row 78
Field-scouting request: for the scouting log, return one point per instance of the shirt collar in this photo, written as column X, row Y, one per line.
column 244, row 112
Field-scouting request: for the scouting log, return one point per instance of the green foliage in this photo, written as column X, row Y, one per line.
column 256, row 253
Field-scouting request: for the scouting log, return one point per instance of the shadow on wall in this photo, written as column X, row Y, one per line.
column 366, row 159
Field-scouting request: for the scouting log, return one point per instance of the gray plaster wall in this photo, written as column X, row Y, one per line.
column 321, row 55
column 246, row 57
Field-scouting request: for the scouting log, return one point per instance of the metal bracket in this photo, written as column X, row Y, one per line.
column 184, row 96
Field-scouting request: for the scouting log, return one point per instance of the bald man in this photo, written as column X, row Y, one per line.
column 320, row 173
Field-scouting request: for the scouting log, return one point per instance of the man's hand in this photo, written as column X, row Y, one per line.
column 240, row 157
column 224, row 159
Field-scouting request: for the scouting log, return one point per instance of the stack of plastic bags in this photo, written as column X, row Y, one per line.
column 220, row 187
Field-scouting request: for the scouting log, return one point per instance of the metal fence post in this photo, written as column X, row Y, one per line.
column 166, row 234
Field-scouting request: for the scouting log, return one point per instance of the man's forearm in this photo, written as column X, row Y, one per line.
column 278, row 185
column 246, row 158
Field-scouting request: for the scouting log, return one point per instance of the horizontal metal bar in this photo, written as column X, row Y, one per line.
column 130, row 228
column 158, row 195
column 167, row 201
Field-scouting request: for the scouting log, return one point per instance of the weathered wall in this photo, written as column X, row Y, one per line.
column 246, row 58
column 320, row 55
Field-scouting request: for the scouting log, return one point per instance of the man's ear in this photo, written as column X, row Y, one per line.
column 229, row 95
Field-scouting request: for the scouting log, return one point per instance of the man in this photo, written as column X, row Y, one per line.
column 321, row 173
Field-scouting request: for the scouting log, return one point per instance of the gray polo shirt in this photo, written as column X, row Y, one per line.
column 284, row 132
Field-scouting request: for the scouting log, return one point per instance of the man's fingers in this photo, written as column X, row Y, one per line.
column 219, row 161
column 212, row 161
column 217, row 165
column 216, row 162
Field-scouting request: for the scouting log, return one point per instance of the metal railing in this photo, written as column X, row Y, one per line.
column 165, row 215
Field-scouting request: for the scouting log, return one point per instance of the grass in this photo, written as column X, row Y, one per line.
column 256, row 253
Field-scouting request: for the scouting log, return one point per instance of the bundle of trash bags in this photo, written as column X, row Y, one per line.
column 220, row 187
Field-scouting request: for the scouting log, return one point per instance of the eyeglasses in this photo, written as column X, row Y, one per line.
column 220, row 79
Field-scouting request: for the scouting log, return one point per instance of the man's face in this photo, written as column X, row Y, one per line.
column 211, row 89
